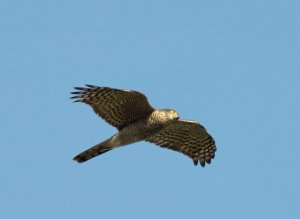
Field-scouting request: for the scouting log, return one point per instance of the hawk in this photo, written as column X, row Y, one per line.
column 136, row 120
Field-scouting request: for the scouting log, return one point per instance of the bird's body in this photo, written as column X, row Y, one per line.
column 136, row 120
column 139, row 130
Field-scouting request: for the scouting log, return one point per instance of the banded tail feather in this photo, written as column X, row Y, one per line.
column 94, row 151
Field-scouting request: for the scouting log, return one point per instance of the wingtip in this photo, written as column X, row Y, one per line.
column 77, row 99
column 91, row 86
column 77, row 92
column 195, row 162
column 208, row 161
column 80, row 88
column 202, row 162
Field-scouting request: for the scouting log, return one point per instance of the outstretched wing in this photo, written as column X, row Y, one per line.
column 189, row 138
column 117, row 107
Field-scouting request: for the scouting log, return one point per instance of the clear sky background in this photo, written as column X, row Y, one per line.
column 234, row 66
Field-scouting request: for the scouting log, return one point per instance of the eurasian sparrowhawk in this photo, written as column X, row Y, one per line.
column 130, row 112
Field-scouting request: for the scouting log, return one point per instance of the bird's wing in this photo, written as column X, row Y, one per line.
column 189, row 138
column 117, row 107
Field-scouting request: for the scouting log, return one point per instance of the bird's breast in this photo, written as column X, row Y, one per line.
column 138, row 131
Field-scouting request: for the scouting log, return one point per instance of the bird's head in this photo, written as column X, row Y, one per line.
column 170, row 114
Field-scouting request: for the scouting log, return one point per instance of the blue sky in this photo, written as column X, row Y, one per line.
column 234, row 66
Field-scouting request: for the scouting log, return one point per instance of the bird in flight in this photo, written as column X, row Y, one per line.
column 136, row 120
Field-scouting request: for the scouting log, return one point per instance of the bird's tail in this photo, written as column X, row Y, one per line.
column 98, row 149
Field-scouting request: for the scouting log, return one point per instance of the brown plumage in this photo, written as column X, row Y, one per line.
column 187, row 137
column 130, row 112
